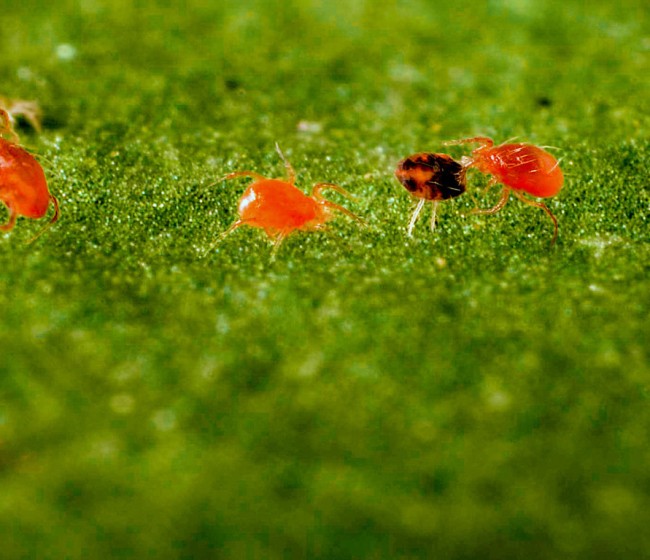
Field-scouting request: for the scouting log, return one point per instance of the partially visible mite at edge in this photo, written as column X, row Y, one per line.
column 23, row 187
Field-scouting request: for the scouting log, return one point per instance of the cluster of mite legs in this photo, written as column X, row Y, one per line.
column 279, row 208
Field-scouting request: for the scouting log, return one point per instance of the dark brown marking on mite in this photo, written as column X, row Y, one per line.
column 431, row 176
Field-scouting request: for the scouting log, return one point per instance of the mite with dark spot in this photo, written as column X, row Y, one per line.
column 433, row 177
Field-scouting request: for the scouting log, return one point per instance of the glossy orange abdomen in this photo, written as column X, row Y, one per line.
column 522, row 167
column 23, row 187
column 277, row 206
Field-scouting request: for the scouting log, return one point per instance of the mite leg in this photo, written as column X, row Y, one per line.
column 491, row 183
column 467, row 162
column 415, row 216
column 317, row 195
column 29, row 110
column 47, row 226
column 13, row 215
column 543, row 207
column 318, row 188
column 55, row 203
column 222, row 236
column 434, row 212
column 343, row 210
column 233, row 227
column 291, row 174
column 502, row 202
column 484, row 141
column 237, row 174
column 276, row 244
column 5, row 127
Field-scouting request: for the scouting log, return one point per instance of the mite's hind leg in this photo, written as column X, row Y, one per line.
column 491, row 183
column 291, row 174
column 276, row 244
column 318, row 188
column 55, row 203
column 13, row 215
column 29, row 110
column 484, row 141
column 233, row 227
column 237, row 174
column 415, row 216
column 502, row 202
column 343, row 210
column 6, row 129
column 434, row 214
column 53, row 219
column 543, row 207
column 317, row 195
column 225, row 234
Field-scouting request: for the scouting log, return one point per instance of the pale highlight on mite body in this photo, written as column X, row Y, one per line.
column 279, row 208
column 520, row 168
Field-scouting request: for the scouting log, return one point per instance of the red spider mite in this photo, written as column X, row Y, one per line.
column 279, row 208
column 23, row 187
column 433, row 177
column 518, row 167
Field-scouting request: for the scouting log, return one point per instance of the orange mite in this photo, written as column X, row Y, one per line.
column 431, row 177
column 518, row 167
column 279, row 208
column 23, row 187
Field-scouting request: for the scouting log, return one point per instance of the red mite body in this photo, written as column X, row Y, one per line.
column 23, row 187
column 523, row 167
column 520, row 168
column 279, row 208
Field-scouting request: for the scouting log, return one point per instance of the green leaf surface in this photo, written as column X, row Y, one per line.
column 467, row 393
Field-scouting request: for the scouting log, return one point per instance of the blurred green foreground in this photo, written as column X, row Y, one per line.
column 466, row 394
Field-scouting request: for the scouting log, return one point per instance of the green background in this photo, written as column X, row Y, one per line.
column 471, row 393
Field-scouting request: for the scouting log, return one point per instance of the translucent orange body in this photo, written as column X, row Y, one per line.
column 520, row 168
column 279, row 208
column 523, row 167
column 23, row 187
